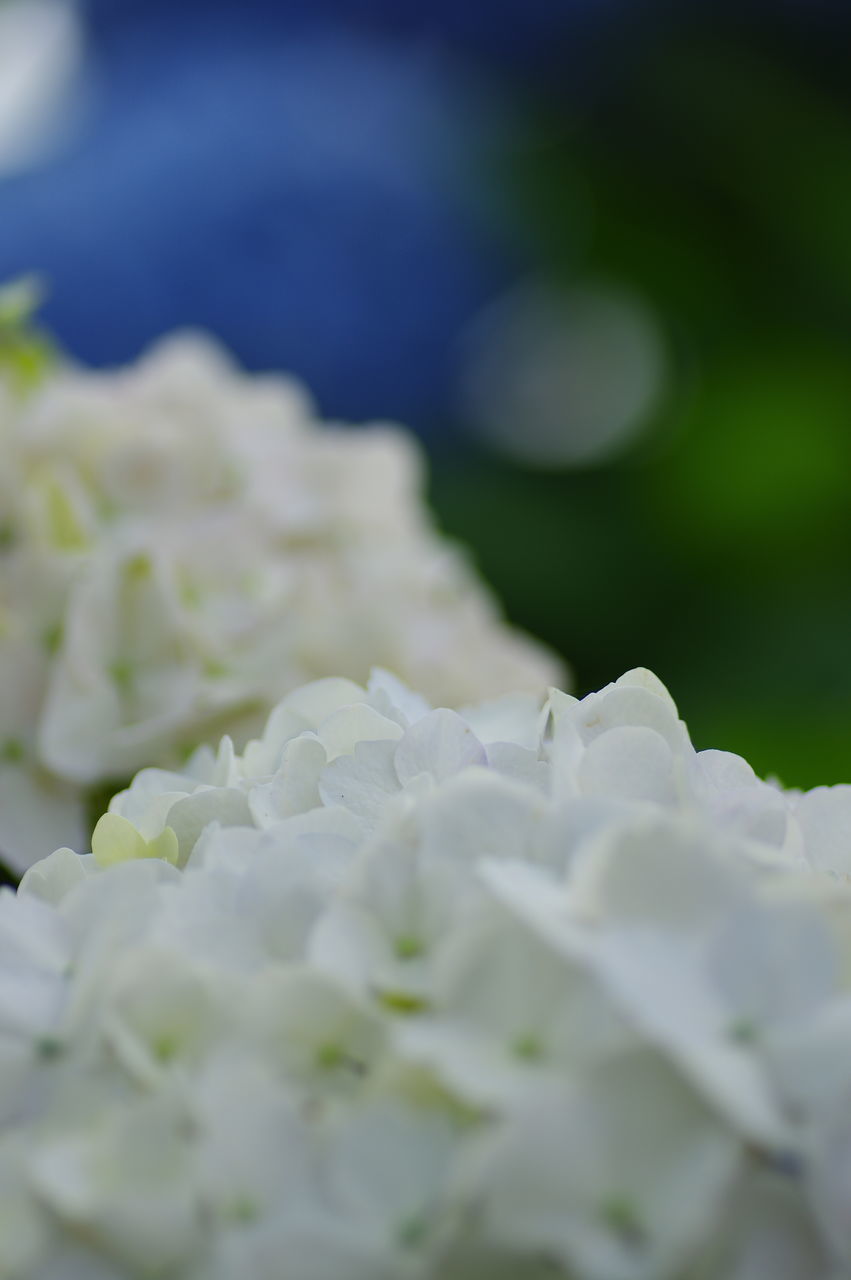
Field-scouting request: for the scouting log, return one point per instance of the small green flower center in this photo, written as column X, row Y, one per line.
column 329, row 1056
column 166, row 1047
column 122, row 674
column 619, row 1214
column 528, row 1047
column 49, row 1048
column 404, row 1002
column 408, row 947
column 244, row 1209
column 743, row 1031
column 52, row 638
column 412, row 1232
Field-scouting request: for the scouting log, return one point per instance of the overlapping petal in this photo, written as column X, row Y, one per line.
column 531, row 990
column 180, row 545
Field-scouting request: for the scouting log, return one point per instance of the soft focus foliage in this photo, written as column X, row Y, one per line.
column 524, row 992
column 705, row 174
column 181, row 544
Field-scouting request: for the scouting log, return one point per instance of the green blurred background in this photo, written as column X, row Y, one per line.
column 707, row 178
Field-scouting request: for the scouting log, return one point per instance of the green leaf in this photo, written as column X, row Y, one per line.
column 25, row 353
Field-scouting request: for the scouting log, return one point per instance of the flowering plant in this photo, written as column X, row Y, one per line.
column 180, row 545
column 526, row 992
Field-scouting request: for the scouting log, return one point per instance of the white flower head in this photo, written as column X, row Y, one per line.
column 402, row 993
column 180, row 545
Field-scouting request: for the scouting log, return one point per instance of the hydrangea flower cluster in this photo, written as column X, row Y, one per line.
column 524, row 992
column 180, row 545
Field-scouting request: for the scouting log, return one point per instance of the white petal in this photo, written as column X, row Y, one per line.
column 632, row 762
column 825, row 817
column 363, row 781
column 440, row 744
column 37, row 815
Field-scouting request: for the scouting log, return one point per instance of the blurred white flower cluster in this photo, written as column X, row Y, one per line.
column 522, row 993
column 180, row 544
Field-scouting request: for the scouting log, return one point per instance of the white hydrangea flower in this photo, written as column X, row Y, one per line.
column 180, row 544
column 533, row 991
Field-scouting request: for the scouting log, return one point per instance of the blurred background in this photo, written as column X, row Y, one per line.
column 596, row 252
